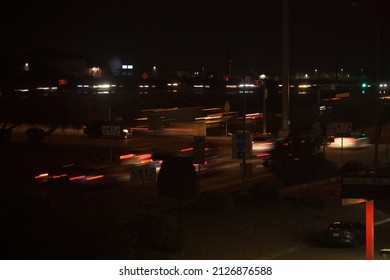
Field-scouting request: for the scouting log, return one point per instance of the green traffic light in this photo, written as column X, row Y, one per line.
column 364, row 85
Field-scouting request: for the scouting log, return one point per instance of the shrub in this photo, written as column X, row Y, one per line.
column 216, row 202
column 162, row 232
column 177, row 178
column 352, row 166
column 305, row 170
column 121, row 240
column 266, row 192
column 5, row 135
column 35, row 136
column 176, row 240
column 324, row 168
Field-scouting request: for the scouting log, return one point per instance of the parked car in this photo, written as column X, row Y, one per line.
column 352, row 141
column 345, row 233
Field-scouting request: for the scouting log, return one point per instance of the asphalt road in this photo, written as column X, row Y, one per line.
column 317, row 252
column 131, row 198
column 138, row 196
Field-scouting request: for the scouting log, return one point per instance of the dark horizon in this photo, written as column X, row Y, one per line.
column 323, row 36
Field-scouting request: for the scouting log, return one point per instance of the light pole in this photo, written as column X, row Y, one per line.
column 244, row 166
column 370, row 202
column 376, row 20
column 265, row 96
column 377, row 122
column 284, row 132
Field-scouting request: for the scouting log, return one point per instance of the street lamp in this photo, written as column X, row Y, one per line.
column 377, row 122
column 265, row 96
column 376, row 21
column 370, row 202
column 284, row 132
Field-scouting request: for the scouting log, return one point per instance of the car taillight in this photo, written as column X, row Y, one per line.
column 94, row 177
column 127, row 156
column 77, row 178
column 43, row 175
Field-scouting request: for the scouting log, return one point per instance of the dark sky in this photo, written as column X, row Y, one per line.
column 190, row 34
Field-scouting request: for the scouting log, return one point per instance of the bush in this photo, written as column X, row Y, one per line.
column 177, row 178
column 216, row 202
column 306, row 170
column 162, row 232
column 5, row 135
column 323, row 168
column 176, row 240
column 267, row 192
column 35, row 136
column 121, row 240
column 352, row 166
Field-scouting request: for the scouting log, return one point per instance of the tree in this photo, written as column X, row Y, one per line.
column 8, row 110
column 177, row 179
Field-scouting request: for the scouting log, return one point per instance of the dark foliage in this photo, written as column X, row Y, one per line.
column 161, row 232
column 177, row 178
column 35, row 136
column 5, row 135
column 266, row 193
column 352, row 166
column 216, row 202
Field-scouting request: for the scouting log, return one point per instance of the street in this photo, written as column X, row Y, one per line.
column 133, row 198
column 316, row 252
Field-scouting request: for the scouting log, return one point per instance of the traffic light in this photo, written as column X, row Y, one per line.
column 363, row 88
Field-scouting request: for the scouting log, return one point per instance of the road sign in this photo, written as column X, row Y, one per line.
column 369, row 187
column 242, row 145
column 145, row 76
column 143, row 173
column 199, row 149
column 342, row 128
column 227, row 106
column 111, row 130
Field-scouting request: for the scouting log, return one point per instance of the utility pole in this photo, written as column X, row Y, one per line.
column 284, row 131
column 229, row 64
column 263, row 79
column 377, row 105
column 244, row 164
column 375, row 17
column 265, row 96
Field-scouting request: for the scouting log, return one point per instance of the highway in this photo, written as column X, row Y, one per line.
column 142, row 197
column 132, row 198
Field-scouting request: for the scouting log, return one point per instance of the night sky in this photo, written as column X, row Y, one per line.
column 324, row 35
